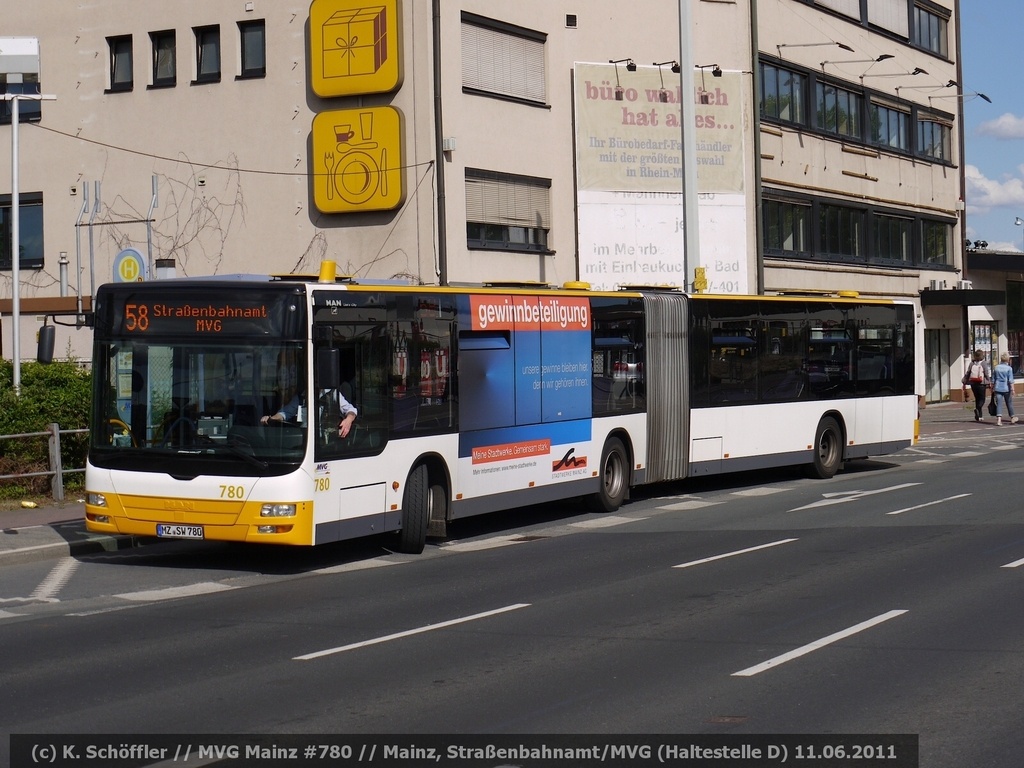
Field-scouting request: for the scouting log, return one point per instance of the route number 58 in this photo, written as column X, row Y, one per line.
column 136, row 317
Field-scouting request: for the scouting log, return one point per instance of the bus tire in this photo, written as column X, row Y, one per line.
column 416, row 504
column 613, row 474
column 828, row 449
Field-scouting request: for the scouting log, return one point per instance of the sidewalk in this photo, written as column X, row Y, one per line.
column 50, row 532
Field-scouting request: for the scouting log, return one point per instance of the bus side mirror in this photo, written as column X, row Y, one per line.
column 45, row 342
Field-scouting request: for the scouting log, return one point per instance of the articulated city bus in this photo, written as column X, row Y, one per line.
column 469, row 399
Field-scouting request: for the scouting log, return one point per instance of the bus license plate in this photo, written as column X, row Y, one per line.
column 179, row 531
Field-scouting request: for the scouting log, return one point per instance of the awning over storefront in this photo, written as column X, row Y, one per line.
column 963, row 297
column 995, row 261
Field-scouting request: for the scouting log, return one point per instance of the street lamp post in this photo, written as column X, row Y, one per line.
column 1019, row 222
column 15, row 99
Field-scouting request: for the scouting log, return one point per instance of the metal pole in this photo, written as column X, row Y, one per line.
column 687, row 128
column 15, row 99
column 442, row 211
column 78, row 250
column 149, row 229
column 15, row 248
column 63, row 266
column 92, row 249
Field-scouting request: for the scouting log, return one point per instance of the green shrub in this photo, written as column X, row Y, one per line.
column 60, row 393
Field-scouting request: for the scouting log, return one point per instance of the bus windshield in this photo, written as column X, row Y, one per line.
column 202, row 403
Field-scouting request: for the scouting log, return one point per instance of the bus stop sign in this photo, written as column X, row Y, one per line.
column 129, row 267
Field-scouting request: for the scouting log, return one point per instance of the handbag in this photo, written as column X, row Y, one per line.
column 992, row 408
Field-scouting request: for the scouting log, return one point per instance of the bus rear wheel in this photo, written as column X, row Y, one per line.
column 614, row 476
column 417, row 502
column 828, row 449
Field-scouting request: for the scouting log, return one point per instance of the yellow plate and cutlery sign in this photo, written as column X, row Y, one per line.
column 357, row 160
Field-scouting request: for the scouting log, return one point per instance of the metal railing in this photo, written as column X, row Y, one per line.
column 56, row 471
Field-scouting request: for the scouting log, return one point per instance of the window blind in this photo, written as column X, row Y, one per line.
column 849, row 8
column 891, row 15
column 508, row 201
column 499, row 62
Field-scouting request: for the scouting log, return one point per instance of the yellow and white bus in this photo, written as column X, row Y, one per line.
column 469, row 399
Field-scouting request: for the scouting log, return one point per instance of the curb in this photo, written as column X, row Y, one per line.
column 59, row 549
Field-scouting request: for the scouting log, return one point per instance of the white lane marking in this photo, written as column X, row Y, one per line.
column 359, row 565
column 966, row 454
column 8, row 615
column 606, row 521
column 1014, row 564
column 841, row 497
column 733, row 554
column 410, row 632
column 928, row 504
column 762, row 491
column 817, row 644
column 490, row 543
column 55, row 580
column 172, row 593
column 683, row 505
column 109, row 609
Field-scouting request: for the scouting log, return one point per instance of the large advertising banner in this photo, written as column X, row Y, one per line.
column 629, row 156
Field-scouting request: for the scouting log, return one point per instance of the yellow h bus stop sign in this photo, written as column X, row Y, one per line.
column 129, row 266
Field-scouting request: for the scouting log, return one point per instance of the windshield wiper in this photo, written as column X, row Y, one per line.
column 236, row 450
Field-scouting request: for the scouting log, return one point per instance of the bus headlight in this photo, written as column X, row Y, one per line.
column 277, row 510
column 95, row 499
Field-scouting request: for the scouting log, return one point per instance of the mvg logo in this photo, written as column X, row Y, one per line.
column 323, row 468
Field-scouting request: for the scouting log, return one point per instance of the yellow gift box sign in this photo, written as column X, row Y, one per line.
column 354, row 48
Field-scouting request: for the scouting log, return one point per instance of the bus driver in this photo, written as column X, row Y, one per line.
column 290, row 410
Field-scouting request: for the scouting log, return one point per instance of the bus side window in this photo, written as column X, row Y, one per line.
column 734, row 367
column 617, row 359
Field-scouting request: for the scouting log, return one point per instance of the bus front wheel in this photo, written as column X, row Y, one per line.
column 416, row 507
column 614, row 476
column 828, row 449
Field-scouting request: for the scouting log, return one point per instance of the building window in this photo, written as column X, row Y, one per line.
column 503, row 60
column 839, row 111
column 783, row 95
column 891, row 15
column 787, row 227
column 937, row 243
column 807, row 227
column 121, row 65
column 849, row 8
column 893, row 239
column 842, row 232
column 890, row 127
column 930, row 31
column 207, row 54
column 507, row 212
column 846, row 7
column 29, row 110
column 253, row 45
column 935, row 140
column 30, row 231
column 165, row 71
